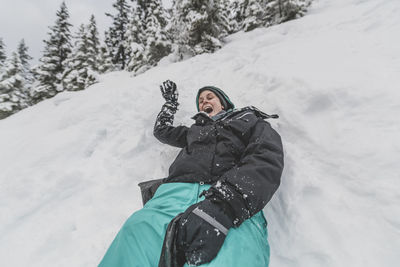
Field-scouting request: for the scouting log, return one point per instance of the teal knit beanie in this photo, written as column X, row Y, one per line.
column 224, row 99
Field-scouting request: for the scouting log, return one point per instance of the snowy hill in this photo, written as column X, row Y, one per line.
column 70, row 165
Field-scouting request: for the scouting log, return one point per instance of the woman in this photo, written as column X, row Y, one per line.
column 208, row 211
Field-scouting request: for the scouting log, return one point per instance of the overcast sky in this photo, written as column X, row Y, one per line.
column 30, row 19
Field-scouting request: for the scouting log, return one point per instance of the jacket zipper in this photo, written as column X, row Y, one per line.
column 215, row 149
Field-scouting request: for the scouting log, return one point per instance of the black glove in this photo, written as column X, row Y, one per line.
column 202, row 230
column 169, row 91
column 171, row 254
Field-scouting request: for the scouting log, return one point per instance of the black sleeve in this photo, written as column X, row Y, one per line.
column 165, row 132
column 246, row 188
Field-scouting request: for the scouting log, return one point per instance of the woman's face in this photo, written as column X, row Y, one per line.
column 209, row 103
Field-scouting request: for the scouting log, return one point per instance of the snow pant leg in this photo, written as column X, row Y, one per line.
column 246, row 245
column 140, row 240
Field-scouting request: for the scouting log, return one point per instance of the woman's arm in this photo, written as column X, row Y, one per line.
column 245, row 189
column 163, row 128
column 165, row 132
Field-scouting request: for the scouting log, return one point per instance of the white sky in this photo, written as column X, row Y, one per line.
column 30, row 19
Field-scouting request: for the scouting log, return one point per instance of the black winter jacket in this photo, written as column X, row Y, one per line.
column 240, row 155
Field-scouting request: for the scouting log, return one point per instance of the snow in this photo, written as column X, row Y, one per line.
column 70, row 165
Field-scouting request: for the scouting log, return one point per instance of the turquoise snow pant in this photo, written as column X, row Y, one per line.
column 140, row 240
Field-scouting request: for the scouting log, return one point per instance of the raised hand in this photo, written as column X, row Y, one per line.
column 169, row 91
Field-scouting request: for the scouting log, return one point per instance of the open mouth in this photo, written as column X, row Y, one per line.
column 208, row 110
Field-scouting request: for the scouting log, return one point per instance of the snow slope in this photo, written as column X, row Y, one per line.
column 70, row 165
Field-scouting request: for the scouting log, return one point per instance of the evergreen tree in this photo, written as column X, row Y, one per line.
column 104, row 60
column 137, row 38
column 53, row 62
column 148, row 38
column 79, row 74
column 2, row 55
column 116, row 40
column 93, row 43
column 24, row 57
column 23, row 54
column 221, row 18
column 236, row 15
column 199, row 26
column 253, row 14
column 158, row 44
column 278, row 11
column 13, row 89
column 227, row 14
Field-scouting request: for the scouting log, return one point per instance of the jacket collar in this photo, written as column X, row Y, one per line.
column 202, row 117
column 253, row 110
column 216, row 117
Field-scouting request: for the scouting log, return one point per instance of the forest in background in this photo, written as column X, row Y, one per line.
column 140, row 35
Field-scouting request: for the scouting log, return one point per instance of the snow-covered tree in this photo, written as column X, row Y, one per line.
column 136, row 38
column 14, row 94
column 93, row 44
column 148, row 37
column 53, row 62
column 79, row 74
column 23, row 54
column 100, row 59
column 253, row 14
column 104, row 60
column 158, row 44
column 2, row 55
column 236, row 15
column 198, row 26
column 278, row 11
column 24, row 57
column 227, row 13
column 116, row 38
